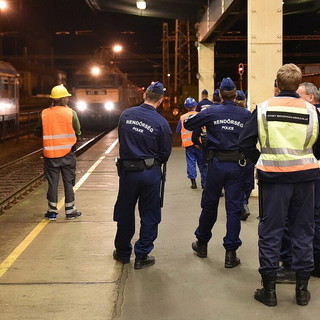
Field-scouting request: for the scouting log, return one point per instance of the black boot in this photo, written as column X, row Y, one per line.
column 302, row 293
column 145, row 262
column 231, row 259
column 286, row 275
column 201, row 248
column 267, row 294
column 245, row 213
column 193, row 184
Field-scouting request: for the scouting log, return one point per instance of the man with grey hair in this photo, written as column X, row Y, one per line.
column 309, row 92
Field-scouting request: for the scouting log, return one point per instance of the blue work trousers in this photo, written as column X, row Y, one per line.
column 142, row 187
column 286, row 246
column 282, row 204
column 230, row 176
column 194, row 157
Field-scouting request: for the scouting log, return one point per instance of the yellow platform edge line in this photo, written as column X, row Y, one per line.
column 14, row 255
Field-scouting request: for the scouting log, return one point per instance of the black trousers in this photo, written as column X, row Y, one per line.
column 280, row 203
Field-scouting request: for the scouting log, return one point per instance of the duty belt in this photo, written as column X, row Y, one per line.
column 228, row 156
column 138, row 165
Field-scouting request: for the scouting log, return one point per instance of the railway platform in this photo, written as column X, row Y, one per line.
column 64, row 269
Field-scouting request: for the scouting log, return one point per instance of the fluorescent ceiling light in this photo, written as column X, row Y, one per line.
column 141, row 4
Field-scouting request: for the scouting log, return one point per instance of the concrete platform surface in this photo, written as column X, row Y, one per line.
column 66, row 270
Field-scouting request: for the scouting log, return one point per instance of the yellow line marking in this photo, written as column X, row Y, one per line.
column 14, row 255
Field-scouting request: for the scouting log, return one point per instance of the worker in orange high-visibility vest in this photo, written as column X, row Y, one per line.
column 59, row 127
column 194, row 154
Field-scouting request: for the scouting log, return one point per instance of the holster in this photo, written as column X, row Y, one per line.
column 227, row 156
column 136, row 165
column 133, row 165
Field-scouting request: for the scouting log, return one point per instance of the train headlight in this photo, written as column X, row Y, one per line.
column 81, row 106
column 109, row 106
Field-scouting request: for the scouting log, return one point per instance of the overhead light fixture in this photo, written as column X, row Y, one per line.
column 141, row 4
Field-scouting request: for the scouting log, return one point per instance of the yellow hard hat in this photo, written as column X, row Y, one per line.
column 59, row 91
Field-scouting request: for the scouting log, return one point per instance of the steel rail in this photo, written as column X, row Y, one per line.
column 24, row 189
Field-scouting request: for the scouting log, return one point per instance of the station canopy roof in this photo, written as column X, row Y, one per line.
column 189, row 9
column 166, row 9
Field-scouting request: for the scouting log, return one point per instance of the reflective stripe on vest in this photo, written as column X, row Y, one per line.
column 287, row 128
column 58, row 133
column 186, row 135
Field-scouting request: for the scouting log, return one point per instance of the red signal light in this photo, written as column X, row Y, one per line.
column 241, row 68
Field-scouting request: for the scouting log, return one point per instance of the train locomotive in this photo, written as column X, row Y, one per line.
column 100, row 93
column 9, row 94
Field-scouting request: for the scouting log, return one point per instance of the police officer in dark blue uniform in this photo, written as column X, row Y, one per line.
column 204, row 100
column 145, row 140
column 226, row 169
column 241, row 101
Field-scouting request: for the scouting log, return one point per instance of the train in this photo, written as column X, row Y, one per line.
column 9, row 94
column 100, row 93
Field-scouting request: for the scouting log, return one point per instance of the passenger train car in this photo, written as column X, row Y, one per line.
column 101, row 92
column 9, row 94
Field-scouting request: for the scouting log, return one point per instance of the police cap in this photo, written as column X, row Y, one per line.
column 156, row 87
column 240, row 95
column 227, row 84
column 216, row 92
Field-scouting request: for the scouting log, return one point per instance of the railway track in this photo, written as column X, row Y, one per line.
column 21, row 176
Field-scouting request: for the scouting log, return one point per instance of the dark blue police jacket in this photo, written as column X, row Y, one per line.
column 203, row 102
column 224, row 123
column 143, row 134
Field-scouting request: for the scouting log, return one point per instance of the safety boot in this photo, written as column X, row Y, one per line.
column 302, row 293
column 193, row 184
column 231, row 259
column 201, row 248
column 245, row 213
column 267, row 294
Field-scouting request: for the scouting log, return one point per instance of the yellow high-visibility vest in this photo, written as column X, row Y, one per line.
column 287, row 128
column 58, row 133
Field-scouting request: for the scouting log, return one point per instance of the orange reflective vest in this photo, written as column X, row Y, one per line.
column 58, row 133
column 186, row 135
column 288, row 128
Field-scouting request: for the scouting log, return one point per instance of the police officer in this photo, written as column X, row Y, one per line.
column 226, row 170
column 287, row 128
column 194, row 155
column 145, row 144
column 216, row 97
column 204, row 100
column 249, row 176
column 59, row 126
